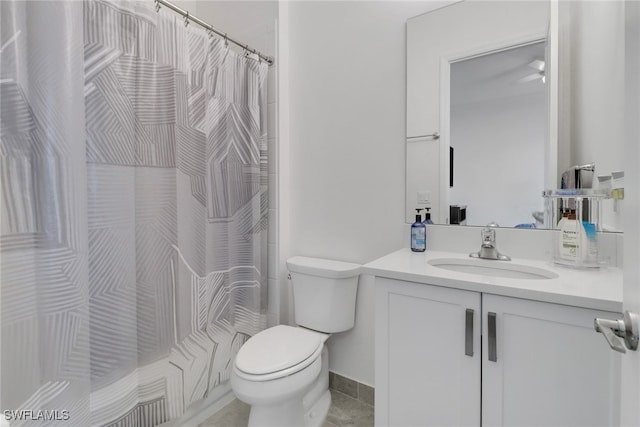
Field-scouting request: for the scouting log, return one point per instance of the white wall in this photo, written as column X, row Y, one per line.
column 347, row 128
column 596, row 59
column 597, row 84
column 499, row 149
column 245, row 21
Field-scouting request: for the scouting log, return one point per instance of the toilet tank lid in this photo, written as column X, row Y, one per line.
column 330, row 269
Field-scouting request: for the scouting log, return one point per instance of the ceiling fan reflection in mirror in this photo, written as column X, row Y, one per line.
column 537, row 65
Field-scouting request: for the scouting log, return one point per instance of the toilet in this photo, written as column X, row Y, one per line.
column 283, row 371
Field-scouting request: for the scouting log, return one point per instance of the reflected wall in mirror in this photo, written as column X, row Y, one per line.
column 583, row 97
column 498, row 111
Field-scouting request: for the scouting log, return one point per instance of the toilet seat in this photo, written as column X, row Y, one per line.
column 278, row 352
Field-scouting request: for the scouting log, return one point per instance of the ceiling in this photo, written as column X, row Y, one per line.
column 496, row 75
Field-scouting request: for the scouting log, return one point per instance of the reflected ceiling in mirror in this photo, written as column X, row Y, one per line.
column 512, row 72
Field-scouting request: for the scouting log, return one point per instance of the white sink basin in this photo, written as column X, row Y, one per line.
column 493, row 268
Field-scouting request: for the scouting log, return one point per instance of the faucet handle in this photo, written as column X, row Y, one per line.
column 488, row 249
column 488, row 236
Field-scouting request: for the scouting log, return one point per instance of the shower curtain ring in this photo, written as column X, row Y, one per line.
column 157, row 6
column 186, row 19
column 226, row 41
column 246, row 50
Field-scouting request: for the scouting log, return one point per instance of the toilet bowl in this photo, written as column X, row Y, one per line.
column 283, row 371
column 279, row 383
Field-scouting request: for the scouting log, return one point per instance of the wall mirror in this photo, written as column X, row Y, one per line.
column 502, row 98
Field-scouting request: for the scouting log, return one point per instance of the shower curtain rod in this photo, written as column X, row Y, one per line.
column 188, row 17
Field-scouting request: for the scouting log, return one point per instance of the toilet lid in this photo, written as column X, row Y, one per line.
column 276, row 349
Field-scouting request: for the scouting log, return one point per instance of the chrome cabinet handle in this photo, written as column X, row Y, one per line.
column 468, row 332
column 625, row 328
column 491, row 326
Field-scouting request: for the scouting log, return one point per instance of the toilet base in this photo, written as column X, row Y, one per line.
column 308, row 411
column 291, row 413
column 317, row 400
column 286, row 414
column 318, row 412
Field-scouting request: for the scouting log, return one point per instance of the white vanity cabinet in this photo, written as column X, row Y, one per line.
column 423, row 376
column 450, row 357
column 550, row 367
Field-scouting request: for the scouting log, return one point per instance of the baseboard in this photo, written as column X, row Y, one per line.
column 200, row 411
column 352, row 388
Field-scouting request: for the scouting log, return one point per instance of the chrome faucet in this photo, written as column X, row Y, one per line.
column 488, row 250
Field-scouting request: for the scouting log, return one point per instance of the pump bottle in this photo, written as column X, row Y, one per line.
column 418, row 234
column 427, row 217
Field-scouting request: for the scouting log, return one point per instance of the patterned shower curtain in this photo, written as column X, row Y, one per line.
column 133, row 212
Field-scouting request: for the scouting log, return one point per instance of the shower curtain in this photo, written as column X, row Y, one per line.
column 133, row 212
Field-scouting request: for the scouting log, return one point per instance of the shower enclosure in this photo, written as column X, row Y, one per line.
column 133, row 211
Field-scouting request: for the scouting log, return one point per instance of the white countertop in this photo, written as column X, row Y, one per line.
column 599, row 289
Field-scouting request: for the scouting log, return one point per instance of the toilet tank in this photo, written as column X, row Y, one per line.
column 324, row 293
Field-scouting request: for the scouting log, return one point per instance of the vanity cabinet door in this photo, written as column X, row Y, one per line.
column 427, row 345
column 550, row 367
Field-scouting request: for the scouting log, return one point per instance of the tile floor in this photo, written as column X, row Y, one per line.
column 344, row 411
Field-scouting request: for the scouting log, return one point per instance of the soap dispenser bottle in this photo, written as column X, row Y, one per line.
column 427, row 217
column 418, row 234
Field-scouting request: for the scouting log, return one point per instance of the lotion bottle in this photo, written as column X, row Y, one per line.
column 418, row 234
column 573, row 239
column 565, row 214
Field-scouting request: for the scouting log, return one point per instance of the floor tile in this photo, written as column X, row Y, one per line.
column 344, row 411
column 235, row 414
column 347, row 411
